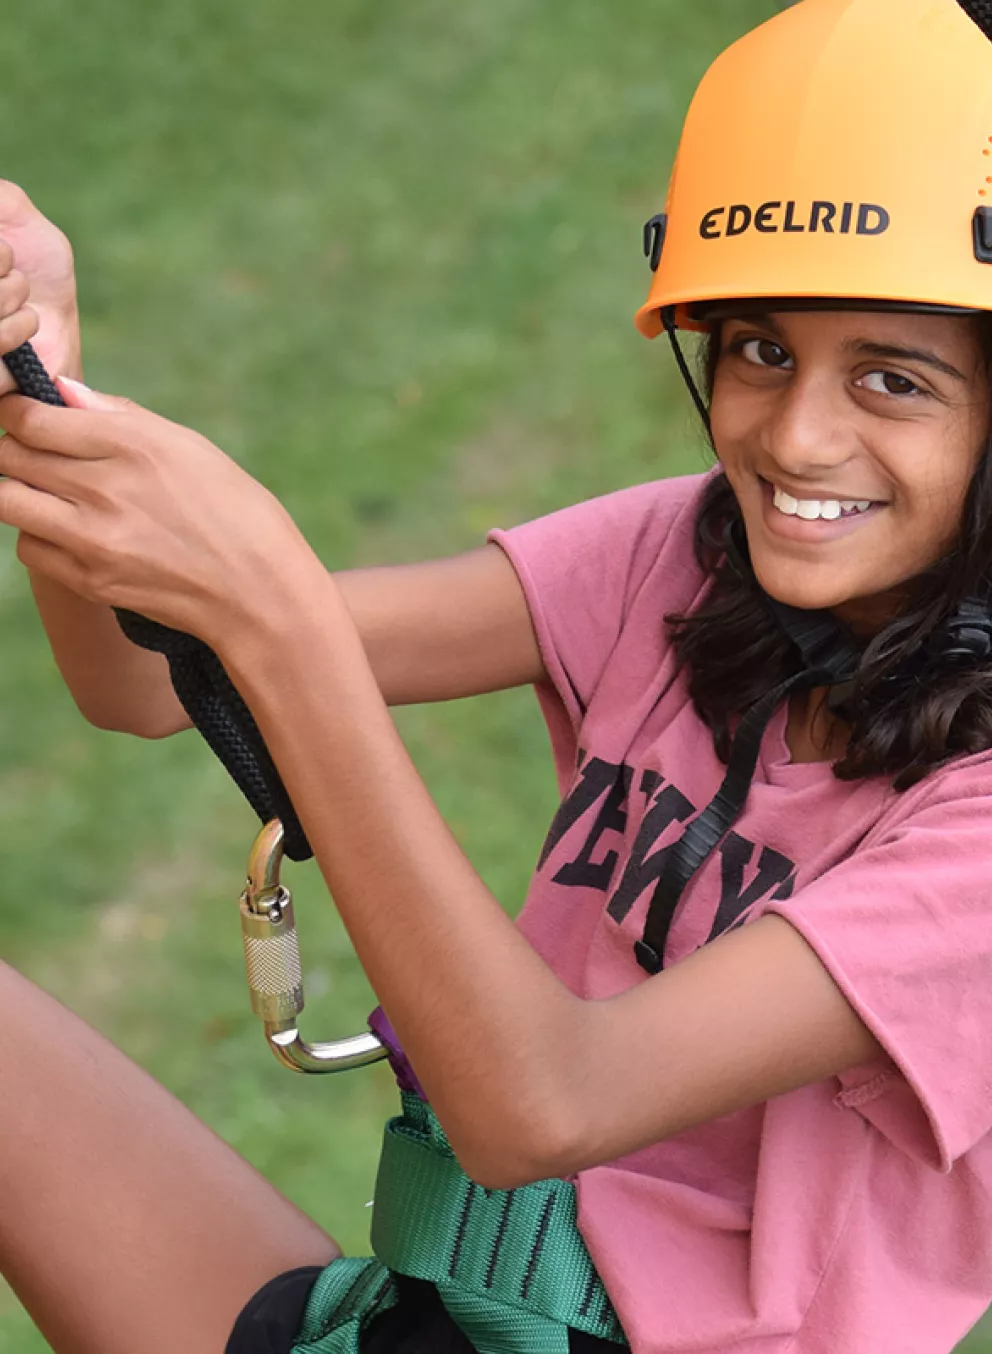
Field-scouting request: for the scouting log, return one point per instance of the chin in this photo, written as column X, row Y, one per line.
column 804, row 593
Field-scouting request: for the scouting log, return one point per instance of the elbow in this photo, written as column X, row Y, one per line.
column 139, row 722
column 509, row 1151
column 532, row 1121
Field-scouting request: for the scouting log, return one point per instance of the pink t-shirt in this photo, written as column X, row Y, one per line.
column 854, row 1214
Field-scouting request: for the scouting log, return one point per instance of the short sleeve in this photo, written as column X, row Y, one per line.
column 580, row 569
column 904, row 927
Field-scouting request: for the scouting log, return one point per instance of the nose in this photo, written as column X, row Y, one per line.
column 810, row 428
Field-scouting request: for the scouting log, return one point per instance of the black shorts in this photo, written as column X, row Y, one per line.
column 418, row 1324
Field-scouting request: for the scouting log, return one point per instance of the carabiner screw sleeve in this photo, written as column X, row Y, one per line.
column 272, row 958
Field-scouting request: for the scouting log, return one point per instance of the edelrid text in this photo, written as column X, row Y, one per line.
column 793, row 218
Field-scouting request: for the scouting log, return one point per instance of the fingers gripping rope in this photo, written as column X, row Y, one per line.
column 31, row 377
column 207, row 694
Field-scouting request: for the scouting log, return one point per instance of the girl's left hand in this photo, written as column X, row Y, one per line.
column 131, row 510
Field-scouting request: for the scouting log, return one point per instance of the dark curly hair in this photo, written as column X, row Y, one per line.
column 909, row 714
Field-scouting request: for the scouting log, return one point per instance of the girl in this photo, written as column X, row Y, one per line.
column 726, row 1087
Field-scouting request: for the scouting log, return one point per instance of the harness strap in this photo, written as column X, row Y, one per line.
column 348, row 1295
column 510, row 1265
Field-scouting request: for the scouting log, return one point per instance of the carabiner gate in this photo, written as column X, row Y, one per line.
column 275, row 977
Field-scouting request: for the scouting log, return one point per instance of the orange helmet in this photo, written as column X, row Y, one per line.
column 843, row 150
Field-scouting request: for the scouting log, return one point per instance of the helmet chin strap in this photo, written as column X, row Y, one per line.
column 704, row 834
column 823, row 641
column 830, row 659
column 668, row 320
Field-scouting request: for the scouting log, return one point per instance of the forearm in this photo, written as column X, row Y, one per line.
column 488, row 1026
column 433, row 631
column 115, row 684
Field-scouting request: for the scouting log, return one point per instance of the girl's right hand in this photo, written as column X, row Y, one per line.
column 36, row 262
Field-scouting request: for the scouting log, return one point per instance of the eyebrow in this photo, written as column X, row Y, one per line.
column 895, row 351
column 903, row 354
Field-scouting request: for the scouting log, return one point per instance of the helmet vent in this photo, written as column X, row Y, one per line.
column 981, row 12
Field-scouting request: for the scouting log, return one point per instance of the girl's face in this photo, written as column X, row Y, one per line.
column 850, row 440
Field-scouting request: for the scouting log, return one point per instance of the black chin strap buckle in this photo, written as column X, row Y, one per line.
column 965, row 637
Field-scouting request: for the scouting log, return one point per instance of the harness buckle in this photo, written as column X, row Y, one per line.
column 275, row 975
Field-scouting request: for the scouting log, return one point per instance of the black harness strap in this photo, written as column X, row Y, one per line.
column 207, row 693
column 708, row 829
column 830, row 658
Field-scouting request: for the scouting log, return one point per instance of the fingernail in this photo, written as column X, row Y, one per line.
column 74, row 385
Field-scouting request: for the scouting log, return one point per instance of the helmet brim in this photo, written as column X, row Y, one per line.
column 706, row 313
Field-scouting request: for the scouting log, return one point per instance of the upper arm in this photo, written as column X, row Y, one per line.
column 445, row 628
column 748, row 1017
column 469, row 624
column 888, row 953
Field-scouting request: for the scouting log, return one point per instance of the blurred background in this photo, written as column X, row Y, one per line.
column 387, row 256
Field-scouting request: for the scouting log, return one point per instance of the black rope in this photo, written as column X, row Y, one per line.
column 207, row 693
column 31, row 377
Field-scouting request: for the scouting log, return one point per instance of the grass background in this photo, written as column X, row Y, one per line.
column 387, row 256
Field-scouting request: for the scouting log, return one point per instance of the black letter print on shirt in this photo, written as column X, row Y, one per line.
column 608, row 785
column 670, row 806
column 583, row 871
column 597, row 777
column 736, row 852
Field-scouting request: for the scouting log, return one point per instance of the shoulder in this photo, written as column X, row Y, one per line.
column 612, row 544
column 949, row 800
column 642, row 511
column 600, row 568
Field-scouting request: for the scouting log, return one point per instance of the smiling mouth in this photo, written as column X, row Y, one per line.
column 820, row 509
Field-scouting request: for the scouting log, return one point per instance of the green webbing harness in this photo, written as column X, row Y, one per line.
column 510, row 1265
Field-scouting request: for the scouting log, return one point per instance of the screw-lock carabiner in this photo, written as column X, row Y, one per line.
column 272, row 962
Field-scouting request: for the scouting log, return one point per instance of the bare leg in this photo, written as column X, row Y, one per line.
column 126, row 1225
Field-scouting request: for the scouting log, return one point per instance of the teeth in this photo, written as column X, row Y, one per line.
column 813, row 510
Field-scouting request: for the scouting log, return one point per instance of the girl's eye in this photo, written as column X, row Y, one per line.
column 764, row 353
column 890, row 383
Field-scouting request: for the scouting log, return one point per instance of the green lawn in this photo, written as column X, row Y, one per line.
column 387, row 255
